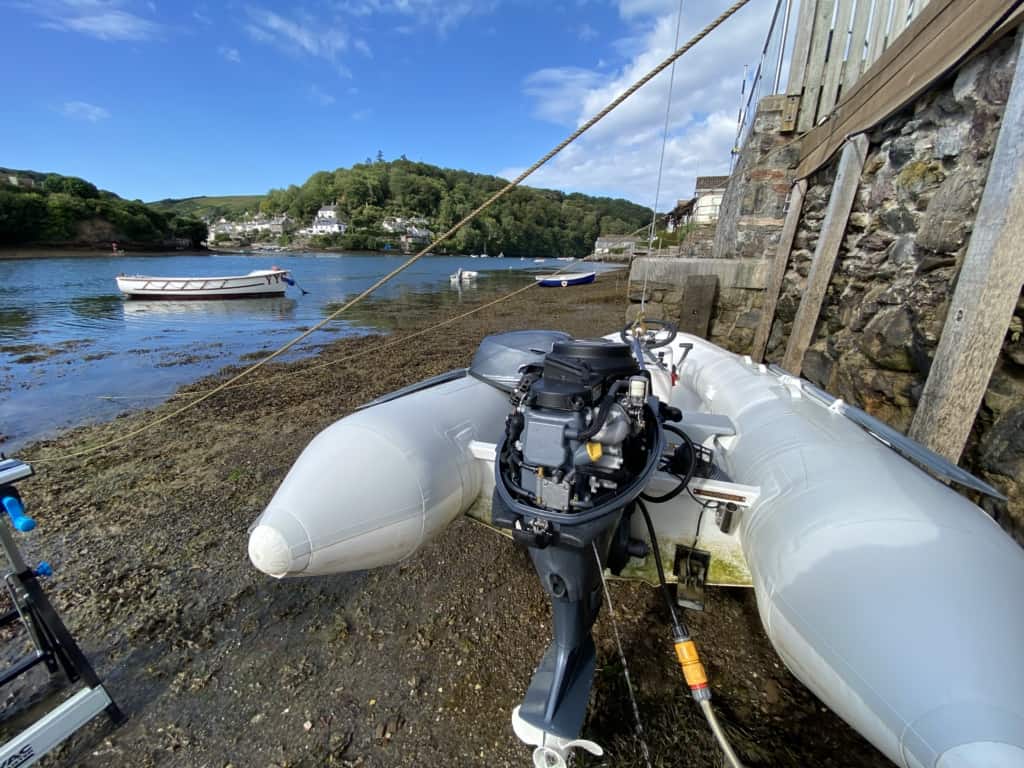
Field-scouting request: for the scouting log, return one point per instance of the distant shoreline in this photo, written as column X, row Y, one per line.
column 10, row 253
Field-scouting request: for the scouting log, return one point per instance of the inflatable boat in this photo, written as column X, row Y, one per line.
column 886, row 592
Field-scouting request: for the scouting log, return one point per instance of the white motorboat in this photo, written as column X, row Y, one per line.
column 258, row 283
column 890, row 595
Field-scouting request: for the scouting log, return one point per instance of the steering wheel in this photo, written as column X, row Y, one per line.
column 661, row 334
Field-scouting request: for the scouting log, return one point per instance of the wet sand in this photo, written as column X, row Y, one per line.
column 415, row 665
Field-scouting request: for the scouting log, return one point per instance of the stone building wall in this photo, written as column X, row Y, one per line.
column 739, row 249
column 897, row 268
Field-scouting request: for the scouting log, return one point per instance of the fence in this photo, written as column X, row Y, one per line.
column 836, row 42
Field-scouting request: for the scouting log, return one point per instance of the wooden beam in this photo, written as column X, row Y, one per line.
column 858, row 39
column 814, row 72
column 986, row 294
column 801, row 47
column 833, row 229
column 698, row 301
column 942, row 35
column 774, row 287
column 834, row 71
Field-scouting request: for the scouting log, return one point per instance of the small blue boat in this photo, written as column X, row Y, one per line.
column 566, row 279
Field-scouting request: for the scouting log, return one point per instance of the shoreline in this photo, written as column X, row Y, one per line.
column 393, row 667
column 12, row 253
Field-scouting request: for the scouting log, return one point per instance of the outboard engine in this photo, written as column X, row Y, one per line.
column 582, row 441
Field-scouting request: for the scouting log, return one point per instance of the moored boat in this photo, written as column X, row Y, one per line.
column 565, row 279
column 874, row 581
column 258, row 283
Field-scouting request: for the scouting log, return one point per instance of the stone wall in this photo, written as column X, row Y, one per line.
column 754, row 207
column 739, row 249
column 737, row 301
column 897, row 269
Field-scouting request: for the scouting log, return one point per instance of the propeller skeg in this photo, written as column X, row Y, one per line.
column 551, row 751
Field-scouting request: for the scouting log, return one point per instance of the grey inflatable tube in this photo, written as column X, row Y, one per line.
column 375, row 486
column 893, row 598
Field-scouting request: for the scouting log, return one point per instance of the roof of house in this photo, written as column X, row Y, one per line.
column 684, row 207
column 712, row 182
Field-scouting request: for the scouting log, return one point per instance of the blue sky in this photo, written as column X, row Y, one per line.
column 160, row 99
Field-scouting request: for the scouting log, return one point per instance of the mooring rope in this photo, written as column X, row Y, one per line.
column 365, row 352
column 618, row 100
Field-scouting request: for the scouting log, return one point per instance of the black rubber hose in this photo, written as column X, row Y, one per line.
column 678, row 626
column 602, row 415
column 685, row 482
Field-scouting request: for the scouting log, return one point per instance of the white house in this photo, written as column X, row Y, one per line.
column 326, row 223
column 709, row 193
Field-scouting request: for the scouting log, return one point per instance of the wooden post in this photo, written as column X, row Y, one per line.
column 987, row 290
column 698, row 301
column 774, row 287
column 840, row 203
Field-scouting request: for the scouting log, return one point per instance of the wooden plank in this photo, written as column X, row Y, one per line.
column 778, row 273
column 876, row 35
column 858, row 38
column 833, row 229
column 815, row 70
column 937, row 40
column 801, row 47
column 834, row 70
column 986, row 294
column 698, row 301
column 899, row 21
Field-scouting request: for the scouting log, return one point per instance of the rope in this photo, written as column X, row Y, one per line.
column 364, row 352
column 412, row 260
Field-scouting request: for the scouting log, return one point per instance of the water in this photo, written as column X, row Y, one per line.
column 72, row 350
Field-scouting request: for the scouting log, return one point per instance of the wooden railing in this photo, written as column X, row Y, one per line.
column 836, row 42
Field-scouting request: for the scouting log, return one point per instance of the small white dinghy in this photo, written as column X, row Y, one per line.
column 257, row 284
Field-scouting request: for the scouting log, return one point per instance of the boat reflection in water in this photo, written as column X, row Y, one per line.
column 276, row 308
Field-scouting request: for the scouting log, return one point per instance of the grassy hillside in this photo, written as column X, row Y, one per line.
column 209, row 206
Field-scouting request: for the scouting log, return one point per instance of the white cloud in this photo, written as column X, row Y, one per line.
column 441, row 14
column 320, row 96
column 298, row 36
column 363, row 47
column 102, row 19
column 586, row 33
column 361, row 114
column 83, row 110
column 230, row 54
column 620, row 154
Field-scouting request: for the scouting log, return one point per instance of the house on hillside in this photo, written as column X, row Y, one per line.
column 615, row 245
column 709, row 193
column 326, row 222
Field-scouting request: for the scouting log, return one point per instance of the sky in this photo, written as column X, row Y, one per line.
column 158, row 99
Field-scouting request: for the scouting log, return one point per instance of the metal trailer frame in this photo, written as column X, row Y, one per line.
column 54, row 647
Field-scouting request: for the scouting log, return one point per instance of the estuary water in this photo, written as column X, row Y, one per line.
column 72, row 350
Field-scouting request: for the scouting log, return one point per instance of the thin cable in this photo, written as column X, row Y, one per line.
column 671, row 59
column 622, row 657
column 677, row 625
column 664, row 138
